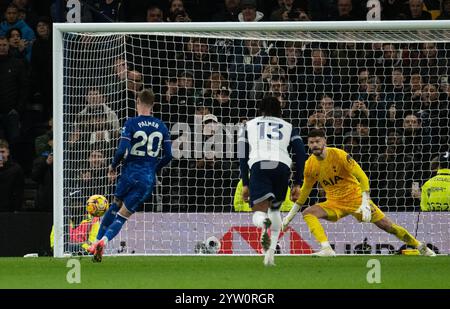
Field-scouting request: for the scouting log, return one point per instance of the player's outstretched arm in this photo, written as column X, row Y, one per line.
column 364, row 209
column 304, row 193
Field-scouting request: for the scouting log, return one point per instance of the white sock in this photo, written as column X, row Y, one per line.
column 258, row 218
column 275, row 229
column 325, row 244
column 105, row 240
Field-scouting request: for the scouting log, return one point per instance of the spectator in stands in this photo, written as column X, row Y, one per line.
column 316, row 121
column 247, row 66
column 134, row 84
column 93, row 173
column 374, row 100
column 96, row 122
column 326, row 106
column 227, row 107
column 135, row 81
column 296, row 14
column 285, row 6
column 389, row 175
column 177, row 12
column 416, row 11
column 416, row 143
column 317, row 78
column 154, row 14
column 368, row 142
column 11, row 181
column 213, row 84
column 44, row 143
column 415, row 90
column 41, row 68
column 352, row 146
column 335, row 128
column 42, row 174
column 12, row 21
column 345, row 10
column 249, row 11
column 107, row 11
column 17, row 46
column 389, row 59
column 292, row 63
column 199, row 60
column 445, row 10
column 434, row 114
column 363, row 76
column 29, row 10
column 394, row 9
column 229, row 12
column 13, row 94
column 395, row 90
column 262, row 84
column 432, row 65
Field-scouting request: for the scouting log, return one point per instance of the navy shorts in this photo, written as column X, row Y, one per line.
column 134, row 190
column 269, row 180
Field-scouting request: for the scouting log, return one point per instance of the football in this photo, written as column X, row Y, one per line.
column 97, row 205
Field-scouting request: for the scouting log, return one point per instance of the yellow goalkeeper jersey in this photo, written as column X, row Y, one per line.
column 339, row 175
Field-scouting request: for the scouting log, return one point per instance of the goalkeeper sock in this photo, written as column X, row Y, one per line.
column 115, row 227
column 404, row 235
column 258, row 218
column 316, row 228
column 275, row 229
column 108, row 218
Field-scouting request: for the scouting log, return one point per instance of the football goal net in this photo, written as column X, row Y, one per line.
column 379, row 89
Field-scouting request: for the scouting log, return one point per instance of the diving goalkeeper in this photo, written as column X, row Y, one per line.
column 347, row 192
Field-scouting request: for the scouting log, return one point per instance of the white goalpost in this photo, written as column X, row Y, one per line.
column 379, row 89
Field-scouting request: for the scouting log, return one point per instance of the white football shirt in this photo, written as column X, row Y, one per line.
column 269, row 139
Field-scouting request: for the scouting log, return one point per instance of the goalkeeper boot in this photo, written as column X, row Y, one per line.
column 325, row 252
column 265, row 238
column 425, row 251
column 98, row 253
column 269, row 258
column 91, row 248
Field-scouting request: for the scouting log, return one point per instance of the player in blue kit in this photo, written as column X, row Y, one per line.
column 140, row 146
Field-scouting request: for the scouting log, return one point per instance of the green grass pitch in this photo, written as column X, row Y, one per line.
column 243, row 272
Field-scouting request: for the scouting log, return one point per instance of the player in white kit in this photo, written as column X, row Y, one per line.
column 264, row 145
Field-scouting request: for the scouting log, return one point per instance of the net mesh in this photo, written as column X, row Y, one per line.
column 380, row 95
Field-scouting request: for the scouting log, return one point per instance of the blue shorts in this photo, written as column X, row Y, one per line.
column 269, row 180
column 134, row 189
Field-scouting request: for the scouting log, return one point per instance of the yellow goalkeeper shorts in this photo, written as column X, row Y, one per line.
column 338, row 210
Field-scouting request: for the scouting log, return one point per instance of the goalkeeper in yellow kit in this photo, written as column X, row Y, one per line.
column 347, row 192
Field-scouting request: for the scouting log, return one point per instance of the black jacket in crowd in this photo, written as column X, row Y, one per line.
column 11, row 187
column 13, row 84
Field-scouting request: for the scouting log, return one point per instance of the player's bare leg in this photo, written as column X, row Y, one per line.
column 401, row 233
column 311, row 215
column 121, row 217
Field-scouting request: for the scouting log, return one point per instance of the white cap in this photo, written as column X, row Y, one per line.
column 210, row 117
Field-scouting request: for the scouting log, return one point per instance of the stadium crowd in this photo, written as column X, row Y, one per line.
column 386, row 104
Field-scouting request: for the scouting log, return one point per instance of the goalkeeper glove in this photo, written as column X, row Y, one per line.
column 364, row 209
column 286, row 220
